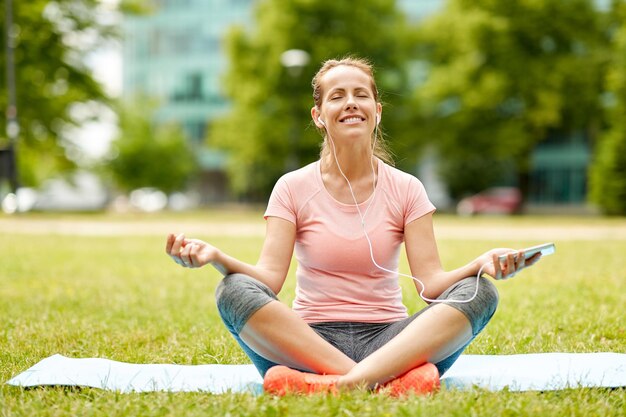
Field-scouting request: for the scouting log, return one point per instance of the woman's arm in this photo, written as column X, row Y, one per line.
column 425, row 264
column 423, row 257
column 271, row 268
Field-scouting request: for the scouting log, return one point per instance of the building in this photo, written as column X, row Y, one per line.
column 175, row 53
column 559, row 171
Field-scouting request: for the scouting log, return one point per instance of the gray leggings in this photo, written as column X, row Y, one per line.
column 240, row 296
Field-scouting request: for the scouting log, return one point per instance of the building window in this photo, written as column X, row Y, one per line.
column 156, row 42
column 558, row 186
column 190, row 90
column 196, row 130
column 180, row 42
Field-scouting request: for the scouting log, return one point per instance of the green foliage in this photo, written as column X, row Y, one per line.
column 502, row 76
column 270, row 116
column 149, row 154
column 52, row 39
column 608, row 172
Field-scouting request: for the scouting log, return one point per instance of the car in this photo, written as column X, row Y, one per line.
column 495, row 200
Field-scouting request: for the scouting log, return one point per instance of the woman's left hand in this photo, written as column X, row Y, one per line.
column 514, row 262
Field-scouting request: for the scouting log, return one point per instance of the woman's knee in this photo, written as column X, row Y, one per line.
column 226, row 290
column 485, row 304
column 483, row 301
column 238, row 296
column 489, row 295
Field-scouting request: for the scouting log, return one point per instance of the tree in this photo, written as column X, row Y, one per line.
column 503, row 76
column 269, row 121
column 608, row 171
column 51, row 39
column 149, row 154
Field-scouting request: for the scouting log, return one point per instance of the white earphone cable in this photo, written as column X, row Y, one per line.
column 369, row 242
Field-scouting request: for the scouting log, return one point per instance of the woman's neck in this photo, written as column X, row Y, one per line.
column 360, row 172
column 354, row 163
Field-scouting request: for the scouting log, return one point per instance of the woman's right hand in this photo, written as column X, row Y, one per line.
column 499, row 269
column 190, row 253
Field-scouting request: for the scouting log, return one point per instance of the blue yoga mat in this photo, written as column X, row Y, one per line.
column 528, row 372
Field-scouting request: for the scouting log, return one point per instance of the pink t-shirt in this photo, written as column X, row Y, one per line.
column 336, row 278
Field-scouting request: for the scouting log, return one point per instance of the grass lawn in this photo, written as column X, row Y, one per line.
column 120, row 297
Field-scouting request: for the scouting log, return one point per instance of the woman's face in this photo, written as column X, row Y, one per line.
column 348, row 103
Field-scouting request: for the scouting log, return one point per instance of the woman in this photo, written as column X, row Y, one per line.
column 347, row 215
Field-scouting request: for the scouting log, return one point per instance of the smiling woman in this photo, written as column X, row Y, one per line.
column 346, row 216
column 365, row 90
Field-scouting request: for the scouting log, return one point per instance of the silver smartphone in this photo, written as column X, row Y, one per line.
column 545, row 249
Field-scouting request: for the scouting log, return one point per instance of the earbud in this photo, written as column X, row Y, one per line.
column 377, row 118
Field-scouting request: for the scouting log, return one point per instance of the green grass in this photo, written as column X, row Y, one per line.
column 121, row 298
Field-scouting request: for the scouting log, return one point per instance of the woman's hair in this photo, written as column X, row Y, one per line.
column 380, row 149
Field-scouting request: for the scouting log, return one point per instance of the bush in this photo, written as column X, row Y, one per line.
column 608, row 174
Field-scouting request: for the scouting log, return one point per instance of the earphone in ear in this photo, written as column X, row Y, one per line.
column 377, row 118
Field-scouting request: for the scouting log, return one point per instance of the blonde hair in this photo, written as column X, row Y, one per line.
column 380, row 149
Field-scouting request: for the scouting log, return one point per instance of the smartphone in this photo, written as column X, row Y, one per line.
column 545, row 249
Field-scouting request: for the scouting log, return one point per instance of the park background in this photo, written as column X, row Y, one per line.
column 477, row 94
column 208, row 111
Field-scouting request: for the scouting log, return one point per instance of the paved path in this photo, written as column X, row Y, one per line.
column 443, row 229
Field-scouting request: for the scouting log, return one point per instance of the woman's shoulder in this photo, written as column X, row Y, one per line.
column 304, row 175
column 407, row 191
column 398, row 177
column 302, row 181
